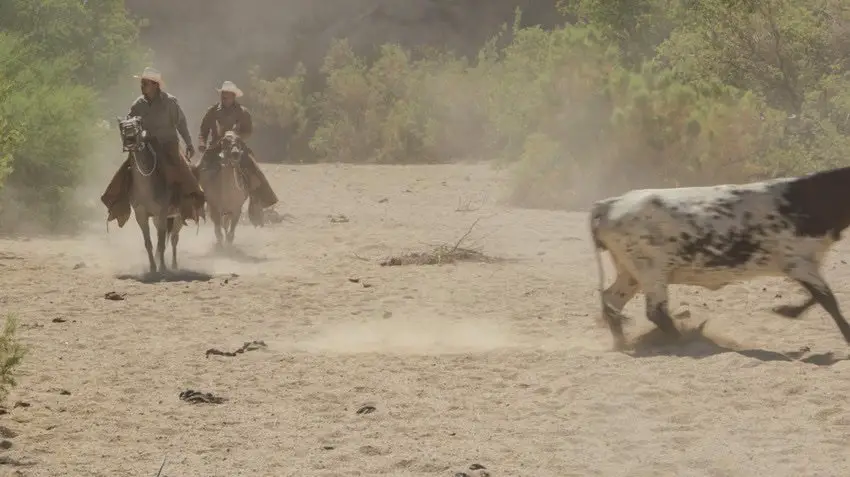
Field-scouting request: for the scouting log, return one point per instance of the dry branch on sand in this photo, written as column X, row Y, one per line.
column 442, row 254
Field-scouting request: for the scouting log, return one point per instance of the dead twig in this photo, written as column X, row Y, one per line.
column 442, row 254
column 247, row 346
column 467, row 205
column 158, row 474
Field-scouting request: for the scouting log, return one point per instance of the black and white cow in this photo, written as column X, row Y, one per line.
column 713, row 236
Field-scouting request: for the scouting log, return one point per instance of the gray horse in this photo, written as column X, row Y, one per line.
column 150, row 194
column 224, row 184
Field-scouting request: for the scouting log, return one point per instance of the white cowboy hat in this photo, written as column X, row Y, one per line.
column 150, row 74
column 229, row 87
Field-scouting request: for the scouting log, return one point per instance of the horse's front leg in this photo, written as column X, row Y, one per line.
column 215, row 215
column 161, row 237
column 234, row 221
column 175, row 238
column 144, row 224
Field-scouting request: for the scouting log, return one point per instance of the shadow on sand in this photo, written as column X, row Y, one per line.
column 695, row 344
column 168, row 276
column 234, row 253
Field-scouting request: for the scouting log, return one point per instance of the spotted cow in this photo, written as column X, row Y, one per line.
column 714, row 236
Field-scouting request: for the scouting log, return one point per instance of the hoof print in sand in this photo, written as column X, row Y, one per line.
column 197, row 397
column 114, row 296
column 367, row 409
column 247, row 346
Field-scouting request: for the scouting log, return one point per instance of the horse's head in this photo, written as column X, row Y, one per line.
column 132, row 134
column 231, row 145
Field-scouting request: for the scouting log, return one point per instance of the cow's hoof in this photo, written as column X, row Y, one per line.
column 620, row 344
column 787, row 311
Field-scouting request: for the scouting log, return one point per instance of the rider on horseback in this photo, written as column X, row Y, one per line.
column 229, row 114
column 163, row 119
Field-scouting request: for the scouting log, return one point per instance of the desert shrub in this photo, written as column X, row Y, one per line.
column 56, row 58
column 633, row 94
column 286, row 104
column 11, row 354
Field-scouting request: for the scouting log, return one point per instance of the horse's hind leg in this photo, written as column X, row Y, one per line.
column 142, row 219
column 234, row 221
column 175, row 238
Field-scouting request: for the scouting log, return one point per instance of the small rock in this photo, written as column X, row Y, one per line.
column 22, row 404
column 79, row 266
column 7, row 433
column 5, row 445
column 354, row 280
column 366, row 409
column 114, row 296
column 59, row 320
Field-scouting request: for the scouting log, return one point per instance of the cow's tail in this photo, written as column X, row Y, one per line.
column 598, row 218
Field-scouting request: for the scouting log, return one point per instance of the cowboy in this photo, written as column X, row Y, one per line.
column 224, row 116
column 163, row 119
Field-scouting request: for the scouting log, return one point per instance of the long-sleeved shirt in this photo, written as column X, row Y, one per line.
column 227, row 117
column 162, row 117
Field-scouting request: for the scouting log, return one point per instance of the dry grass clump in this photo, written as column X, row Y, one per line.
column 442, row 254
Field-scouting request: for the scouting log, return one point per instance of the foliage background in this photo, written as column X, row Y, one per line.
column 626, row 94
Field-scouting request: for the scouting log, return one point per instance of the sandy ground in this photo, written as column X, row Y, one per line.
column 497, row 364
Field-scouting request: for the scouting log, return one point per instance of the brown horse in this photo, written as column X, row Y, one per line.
column 225, row 185
column 150, row 193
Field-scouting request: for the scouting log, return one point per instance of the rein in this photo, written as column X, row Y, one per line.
column 138, row 165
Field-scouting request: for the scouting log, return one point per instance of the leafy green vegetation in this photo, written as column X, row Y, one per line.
column 11, row 354
column 57, row 60
column 632, row 94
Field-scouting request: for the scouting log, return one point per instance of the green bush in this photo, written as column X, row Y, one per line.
column 54, row 56
column 11, row 354
column 649, row 93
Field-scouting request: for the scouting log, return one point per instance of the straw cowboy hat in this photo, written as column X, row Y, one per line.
column 152, row 75
column 229, row 87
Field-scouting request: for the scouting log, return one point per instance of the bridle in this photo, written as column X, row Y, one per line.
column 134, row 140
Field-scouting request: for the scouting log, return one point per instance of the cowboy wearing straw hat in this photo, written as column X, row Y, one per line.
column 228, row 113
column 163, row 119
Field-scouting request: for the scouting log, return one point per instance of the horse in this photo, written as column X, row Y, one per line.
column 225, row 185
column 150, row 194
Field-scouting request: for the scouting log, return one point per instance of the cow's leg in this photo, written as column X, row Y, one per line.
column 657, row 307
column 794, row 311
column 614, row 299
column 807, row 275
